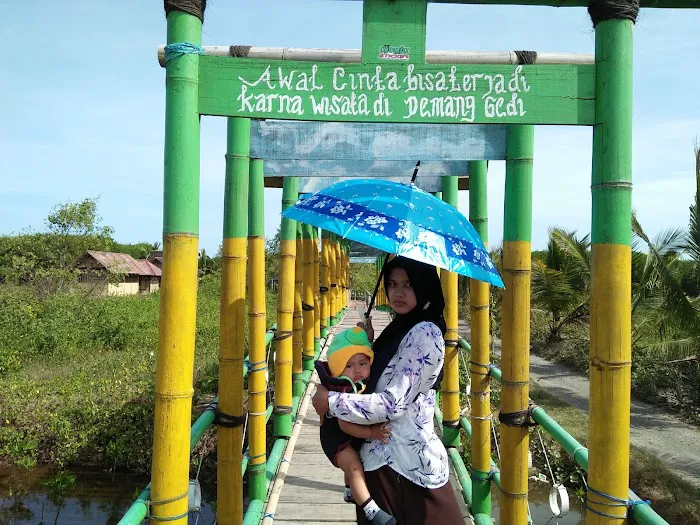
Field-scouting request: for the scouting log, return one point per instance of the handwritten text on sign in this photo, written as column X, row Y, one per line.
column 396, row 93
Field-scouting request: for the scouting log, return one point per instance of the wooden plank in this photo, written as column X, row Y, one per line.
column 323, row 512
column 392, row 92
column 366, row 142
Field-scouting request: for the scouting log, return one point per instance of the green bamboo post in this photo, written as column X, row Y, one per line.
column 450, row 383
column 480, row 384
column 285, row 311
column 257, row 384
column 178, row 304
column 232, row 320
column 611, row 283
column 515, row 357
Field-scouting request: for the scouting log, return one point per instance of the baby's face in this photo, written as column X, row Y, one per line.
column 357, row 367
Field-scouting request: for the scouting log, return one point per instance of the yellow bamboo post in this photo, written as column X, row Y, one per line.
column 232, row 322
column 333, row 279
column 285, row 311
column 178, row 300
column 450, row 383
column 317, row 293
column 325, row 285
column 480, row 394
column 307, row 305
column 611, row 281
column 297, row 338
column 346, row 275
column 257, row 384
column 515, row 359
column 338, row 280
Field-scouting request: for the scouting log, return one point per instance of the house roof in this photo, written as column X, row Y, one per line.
column 123, row 263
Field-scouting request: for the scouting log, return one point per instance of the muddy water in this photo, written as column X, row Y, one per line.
column 99, row 498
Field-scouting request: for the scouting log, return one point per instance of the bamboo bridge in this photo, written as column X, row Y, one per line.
column 303, row 119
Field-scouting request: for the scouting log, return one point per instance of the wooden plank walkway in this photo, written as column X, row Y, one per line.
column 313, row 490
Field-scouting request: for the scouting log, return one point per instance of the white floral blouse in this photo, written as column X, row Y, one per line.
column 403, row 397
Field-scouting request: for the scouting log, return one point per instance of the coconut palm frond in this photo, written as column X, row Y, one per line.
column 680, row 348
column 551, row 289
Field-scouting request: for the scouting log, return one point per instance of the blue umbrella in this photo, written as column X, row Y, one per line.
column 401, row 219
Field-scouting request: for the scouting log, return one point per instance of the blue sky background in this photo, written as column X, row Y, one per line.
column 82, row 107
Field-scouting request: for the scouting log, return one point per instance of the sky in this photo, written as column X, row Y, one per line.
column 83, row 98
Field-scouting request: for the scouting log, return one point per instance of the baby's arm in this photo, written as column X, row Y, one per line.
column 380, row 431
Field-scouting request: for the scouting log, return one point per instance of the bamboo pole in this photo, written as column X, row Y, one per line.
column 307, row 305
column 257, row 385
column 450, row 383
column 334, row 280
column 178, row 304
column 297, row 338
column 611, row 289
column 232, row 320
column 317, row 293
column 480, row 385
column 285, row 312
column 515, row 357
column 349, row 56
column 338, row 279
column 325, row 284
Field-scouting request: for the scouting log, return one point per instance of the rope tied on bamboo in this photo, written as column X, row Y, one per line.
column 173, row 51
column 282, row 410
column 226, row 420
column 477, row 475
column 282, row 334
column 526, row 57
column 601, row 10
column 193, row 7
column 521, row 418
column 628, row 504
column 261, row 366
column 151, row 503
column 307, row 307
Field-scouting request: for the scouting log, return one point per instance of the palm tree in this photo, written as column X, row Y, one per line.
column 561, row 285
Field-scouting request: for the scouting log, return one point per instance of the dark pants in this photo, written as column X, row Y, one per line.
column 409, row 503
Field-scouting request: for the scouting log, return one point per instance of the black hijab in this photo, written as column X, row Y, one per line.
column 430, row 305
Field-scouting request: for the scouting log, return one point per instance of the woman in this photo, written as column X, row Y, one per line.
column 409, row 475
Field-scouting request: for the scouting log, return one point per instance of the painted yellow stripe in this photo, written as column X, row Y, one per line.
column 257, row 386
column 175, row 367
column 231, row 356
column 610, row 369
column 515, row 363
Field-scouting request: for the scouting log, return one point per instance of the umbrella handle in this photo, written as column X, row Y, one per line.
column 376, row 289
column 415, row 172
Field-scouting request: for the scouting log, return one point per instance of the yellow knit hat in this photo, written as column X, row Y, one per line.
column 346, row 344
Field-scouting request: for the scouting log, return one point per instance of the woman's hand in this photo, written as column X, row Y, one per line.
column 367, row 327
column 381, row 431
column 320, row 400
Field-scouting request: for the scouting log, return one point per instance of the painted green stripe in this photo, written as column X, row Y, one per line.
column 181, row 176
column 256, row 210
column 450, row 190
column 387, row 28
column 611, row 187
column 290, row 194
column 478, row 200
column 307, row 231
column 237, row 174
column 517, row 223
column 668, row 4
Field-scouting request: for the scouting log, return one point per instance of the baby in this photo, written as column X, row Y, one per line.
column 347, row 367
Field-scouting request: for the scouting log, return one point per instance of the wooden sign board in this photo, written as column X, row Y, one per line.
column 397, row 92
column 351, row 141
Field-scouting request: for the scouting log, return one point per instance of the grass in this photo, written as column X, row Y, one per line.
column 676, row 500
column 81, row 390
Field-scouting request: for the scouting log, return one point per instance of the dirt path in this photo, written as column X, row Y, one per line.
column 659, row 433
